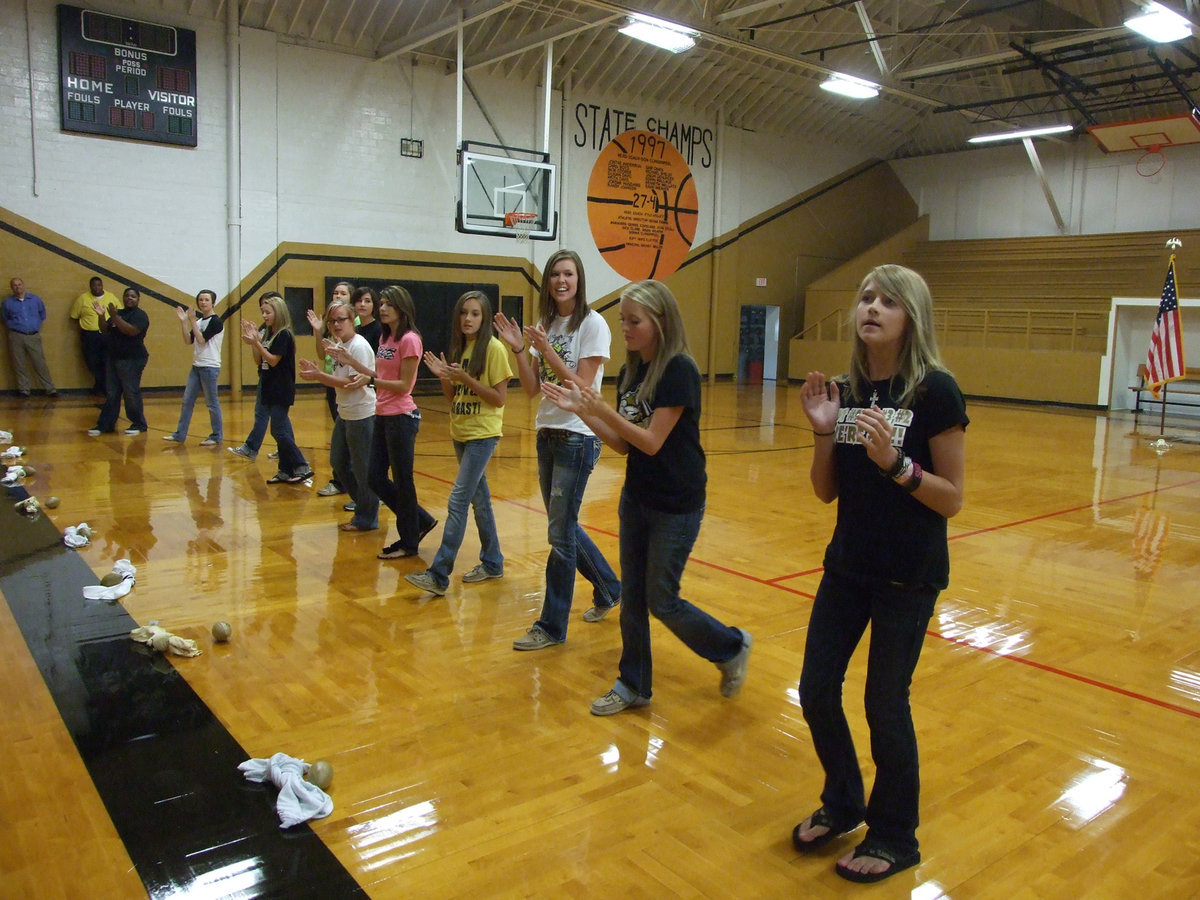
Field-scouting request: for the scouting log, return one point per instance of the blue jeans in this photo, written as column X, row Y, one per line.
column 122, row 377
column 565, row 462
column 654, row 549
column 470, row 489
column 201, row 378
column 898, row 616
column 350, row 456
column 393, row 448
column 290, row 458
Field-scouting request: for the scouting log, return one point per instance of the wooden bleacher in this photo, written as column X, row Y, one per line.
column 1023, row 318
column 1049, row 293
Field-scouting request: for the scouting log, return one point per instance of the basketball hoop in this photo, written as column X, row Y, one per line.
column 1151, row 162
column 521, row 225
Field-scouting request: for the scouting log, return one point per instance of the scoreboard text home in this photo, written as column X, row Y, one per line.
column 126, row 78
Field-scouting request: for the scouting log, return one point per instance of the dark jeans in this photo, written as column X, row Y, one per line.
column 898, row 617
column 565, row 462
column 654, row 549
column 123, row 377
column 291, row 460
column 92, row 344
column 393, row 448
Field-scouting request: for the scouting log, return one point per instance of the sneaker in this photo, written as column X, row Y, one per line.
column 135, row 431
column 350, row 507
column 425, row 582
column 597, row 613
column 424, row 531
column 534, row 639
column 612, row 702
column 733, row 671
column 279, row 478
column 274, row 454
column 330, row 490
column 300, row 475
column 94, row 432
column 170, row 437
column 479, row 573
column 243, row 451
column 210, row 442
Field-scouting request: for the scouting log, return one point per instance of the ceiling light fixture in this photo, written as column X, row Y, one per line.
column 1160, row 24
column 849, row 86
column 660, row 33
column 1017, row 135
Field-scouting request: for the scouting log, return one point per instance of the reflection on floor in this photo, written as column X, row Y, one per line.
column 164, row 766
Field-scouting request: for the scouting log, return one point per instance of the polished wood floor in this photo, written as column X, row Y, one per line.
column 1057, row 700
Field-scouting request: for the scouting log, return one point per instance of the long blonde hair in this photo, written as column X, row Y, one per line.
column 282, row 319
column 919, row 354
column 662, row 308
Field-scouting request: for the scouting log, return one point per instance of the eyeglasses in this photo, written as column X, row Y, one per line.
column 342, row 319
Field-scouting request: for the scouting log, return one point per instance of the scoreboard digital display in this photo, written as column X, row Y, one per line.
column 126, row 78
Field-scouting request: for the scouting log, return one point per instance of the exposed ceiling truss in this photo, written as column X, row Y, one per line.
column 946, row 69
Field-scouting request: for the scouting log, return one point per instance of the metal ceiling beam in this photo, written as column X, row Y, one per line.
column 724, row 40
column 745, row 10
column 1003, row 56
column 869, row 30
column 443, row 27
column 533, row 41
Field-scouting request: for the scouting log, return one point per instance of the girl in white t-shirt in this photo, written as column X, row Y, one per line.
column 353, row 431
column 202, row 329
column 569, row 344
column 475, row 382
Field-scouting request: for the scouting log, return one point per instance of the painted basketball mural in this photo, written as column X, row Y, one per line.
column 642, row 205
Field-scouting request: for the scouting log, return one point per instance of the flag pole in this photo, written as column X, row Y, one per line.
column 1165, row 359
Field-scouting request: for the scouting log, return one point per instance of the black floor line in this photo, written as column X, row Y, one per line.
column 164, row 766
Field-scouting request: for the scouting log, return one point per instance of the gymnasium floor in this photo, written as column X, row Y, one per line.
column 1057, row 701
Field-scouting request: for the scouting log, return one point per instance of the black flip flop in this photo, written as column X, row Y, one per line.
column 820, row 819
column 896, row 863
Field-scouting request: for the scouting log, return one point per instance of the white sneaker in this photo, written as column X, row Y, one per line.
column 733, row 671
column 479, row 573
column 94, row 432
column 134, row 431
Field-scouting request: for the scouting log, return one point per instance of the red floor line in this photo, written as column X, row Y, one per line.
column 1133, row 695
column 1063, row 512
column 775, row 583
column 1048, row 515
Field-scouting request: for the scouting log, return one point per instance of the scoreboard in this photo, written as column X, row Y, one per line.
column 126, row 78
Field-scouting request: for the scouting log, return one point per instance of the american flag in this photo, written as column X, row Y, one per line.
column 1165, row 361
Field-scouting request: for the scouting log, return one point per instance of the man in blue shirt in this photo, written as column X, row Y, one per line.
column 23, row 315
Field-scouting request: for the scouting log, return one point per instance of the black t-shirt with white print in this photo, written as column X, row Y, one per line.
column 672, row 480
column 882, row 531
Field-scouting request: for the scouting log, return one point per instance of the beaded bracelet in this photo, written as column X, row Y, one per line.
column 897, row 468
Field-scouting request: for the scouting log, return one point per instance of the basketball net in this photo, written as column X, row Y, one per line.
column 1152, row 161
column 520, row 224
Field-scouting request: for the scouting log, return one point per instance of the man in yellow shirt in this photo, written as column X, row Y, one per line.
column 91, row 338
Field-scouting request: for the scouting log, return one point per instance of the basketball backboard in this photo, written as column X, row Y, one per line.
column 1148, row 134
column 497, row 181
